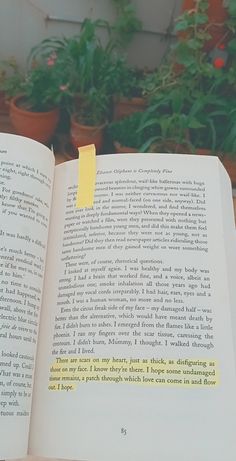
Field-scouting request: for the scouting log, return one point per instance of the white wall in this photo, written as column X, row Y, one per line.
column 23, row 23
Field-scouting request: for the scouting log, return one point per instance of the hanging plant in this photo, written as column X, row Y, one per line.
column 126, row 24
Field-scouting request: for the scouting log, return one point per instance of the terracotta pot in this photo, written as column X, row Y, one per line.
column 217, row 16
column 230, row 166
column 228, row 162
column 36, row 125
column 82, row 135
column 5, row 123
column 4, row 103
column 122, row 107
column 201, row 151
column 119, row 149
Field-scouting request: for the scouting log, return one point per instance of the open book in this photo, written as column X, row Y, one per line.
column 117, row 323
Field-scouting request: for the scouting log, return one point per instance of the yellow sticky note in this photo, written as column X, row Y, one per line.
column 86, row 177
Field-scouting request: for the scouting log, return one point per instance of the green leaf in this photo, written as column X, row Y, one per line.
column 148, row 143
column 232, row 45
column 195, row 124
column 213, row 133
column 194, row 44
column 181, row 25
column 149, row 123
column 177, row 101
column 232, row 8
column 184, row 55
column 201, row 18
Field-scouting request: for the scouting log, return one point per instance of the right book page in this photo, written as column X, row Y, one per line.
column 136, row 358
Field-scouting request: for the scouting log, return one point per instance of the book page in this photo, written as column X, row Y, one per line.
column 230, row 247
column 26, row 176
column 136, row 357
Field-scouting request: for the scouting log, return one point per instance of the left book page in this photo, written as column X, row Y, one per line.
column 26, row 181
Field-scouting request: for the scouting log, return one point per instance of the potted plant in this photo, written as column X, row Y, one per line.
column 8, row 86
column 90, row 70
column 126, row 134
column 211, row 109
column 169, row 117
column 194, row 85
column 89, row 119
column 213, row 86
column 125, row 25
column 95, row 68
column 35, row 96
column 191, row 28
column 128, row 91
column 171, row 134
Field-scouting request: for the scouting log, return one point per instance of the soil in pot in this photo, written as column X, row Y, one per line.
column 119, row 149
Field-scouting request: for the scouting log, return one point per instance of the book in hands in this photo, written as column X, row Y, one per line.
column 117, row 322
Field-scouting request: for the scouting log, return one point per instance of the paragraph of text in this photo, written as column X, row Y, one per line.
column 66, row 373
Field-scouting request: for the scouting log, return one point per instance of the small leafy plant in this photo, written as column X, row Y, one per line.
column 127, row 131
column 125, row 25
column 41, row 85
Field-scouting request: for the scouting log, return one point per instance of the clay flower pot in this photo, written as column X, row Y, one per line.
column 4, row 104
column 230, row 166
column 228, row 162
column 203, row 151
column 39, row 126
column 82, row 135
column 127, row 106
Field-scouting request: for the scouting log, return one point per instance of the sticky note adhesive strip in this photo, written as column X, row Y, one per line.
column 86, row 177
